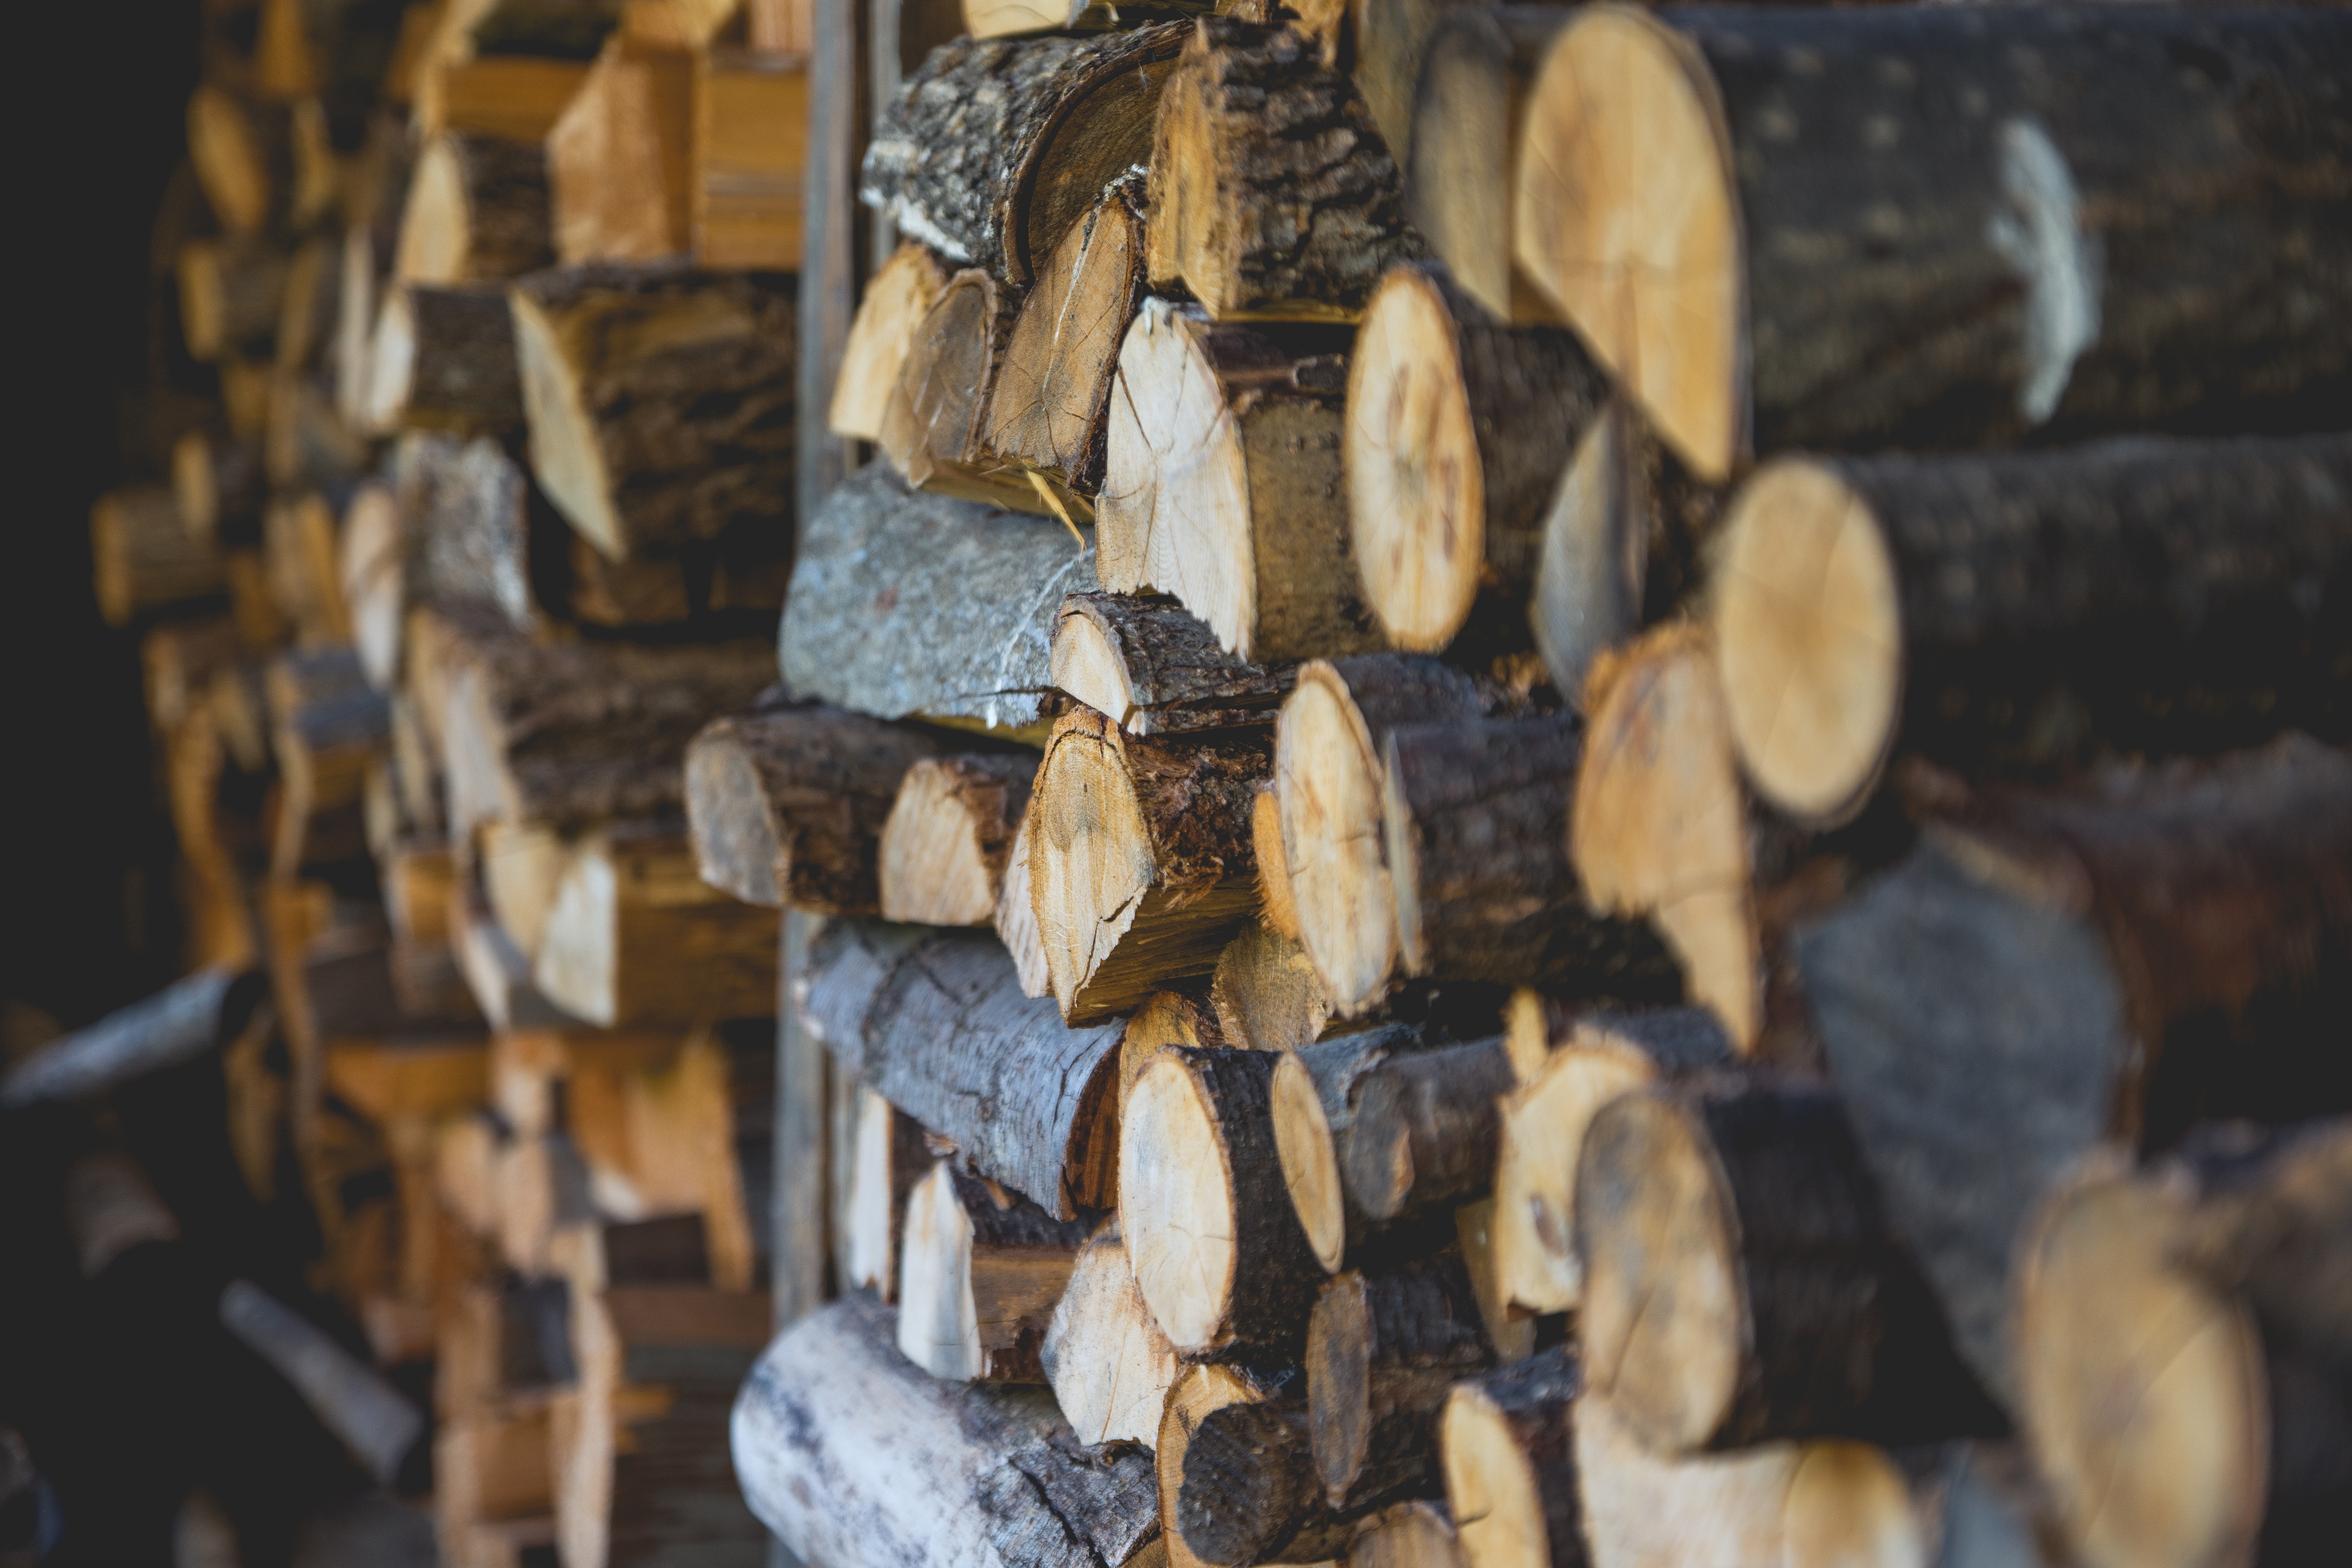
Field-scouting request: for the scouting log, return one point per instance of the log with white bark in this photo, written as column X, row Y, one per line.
column 936, row 1023
column 855, row 1457
column 944, row 849
column 904, row 603
column 1223, row 482
column 184, row 1020
column 1837, row 261
column 1140, row 866
column 980, row 1272
column 1153, row 667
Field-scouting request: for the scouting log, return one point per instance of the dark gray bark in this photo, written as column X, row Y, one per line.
column 1383, row 1349
column 463, row 376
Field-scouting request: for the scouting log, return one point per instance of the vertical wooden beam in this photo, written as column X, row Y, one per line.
column 798, row 1273
column 832, row 255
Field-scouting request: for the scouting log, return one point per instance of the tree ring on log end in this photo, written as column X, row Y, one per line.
column 1664, row 1312
column 1809, row 639
column 1329, row 785
column 564, row 451
column 1340, row 1357
column 2143, row 1392
column 1626, row 216
column 1310, row 1167
column 1491, row 1488
column 1176, row 1204
column 1416, row 486
column 1848, row 1504
column 1090, row 859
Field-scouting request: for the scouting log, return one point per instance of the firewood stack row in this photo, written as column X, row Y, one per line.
column 472, row 460
column 1572, row 789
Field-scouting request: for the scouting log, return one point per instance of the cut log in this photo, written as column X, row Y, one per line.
column 1153, row 668
column 1509, row 1443
column 1314, row 1094
column 854, row 1456
column 1852, row 1504
column 476, row 212
column 304, row 444
column 1462, row 157
column 993, row 149
column 1659, row 826
column 1223, row 483
column 2161, row 946
column 2030, row 609
column 1198, row 1393
column 619, row 170
column 1800, row 281
column 1266, row 995
column 950, row 832
column 1741, row 1283
column 230, row 295
column 1014, row 19
column 1456, row 428
column 660, row 400
column 750, row 149
column 1109, row 1364
column 464, row 512
column 1049, row 404
column 905, row 604
column 307, row 310
column 1390, row 37
column 635, row 936
column 789, row 805
column 1383, row 1350
column 1016, row 916
column 444, row 359
column 936, row 1023
column 1624, row 545
column 143, row 555
column 182, row 1021
column 1165, row 1018
column 896, row 298
column 1251, row 1494
column 1217, row 1245
column 372, row 568
column 1416, row 1534
column 1139, row 859
column 218, row 485
column 934, row 427
column 980, row 1274
column 298, row 541
column 890, row 1157
column 1601, row 1057
column 2207, row 1298
column 1423, row 1128
column 1327, row 780
column 568, row 734
column 1475, row 818
column 1273, row 196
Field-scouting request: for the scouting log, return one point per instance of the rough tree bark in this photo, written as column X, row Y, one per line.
column 1315, row 1091
column 1150, row 666
column 1384, row 1348
column 635, row 936
column 1251, row 1494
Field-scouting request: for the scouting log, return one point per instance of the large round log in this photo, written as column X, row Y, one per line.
column 1908, row 226
column 1456, row 432
column 2023, row 611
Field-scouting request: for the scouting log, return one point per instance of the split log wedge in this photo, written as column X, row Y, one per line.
column 1329, row 781
column 1384, row 1348
column 478, row 212
column 660, row 400
column 2138, row 596
column 980, row 1273
column 1109, row 1363
column 1153, row 668
column 1140, row 861
column 934, row 428
column 1603, row 1055
column 936, row 1023
column 904, row 603
column 1475, row 818
column 853, row 1456
column 230, row 294
column 993, row 149
column 1741, row 1283
column 1016, row 915
column 1272, row 195
column 1215, row 1245
column 1223, row 483
column 1507, row 1440
column 789, row 805
column 2206, row 1297
column 1800, row 281
column 1251, row 1494
column 2159, row 946
column 1266, row 996
column 896, row 300
column 1457, row 428
column 950, row 836
column 890, row 1155
column 635, row 936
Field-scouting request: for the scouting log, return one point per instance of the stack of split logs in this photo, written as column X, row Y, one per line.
column 1571, row 790
column 472, row 458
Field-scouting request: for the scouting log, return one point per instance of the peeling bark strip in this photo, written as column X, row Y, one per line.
column 857, row 1458
column 1272, row 195
column 995, row 148
column 2163, row 945
column 660, row 399
column 788, row 805
column 2138, row 595
column 908, row 603
column 1918, row 227
column 936, row 1024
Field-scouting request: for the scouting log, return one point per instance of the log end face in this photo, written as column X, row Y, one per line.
column 1176, row 1204
column 1090, row 853
column 1664, row 1310
column 932, row 868
column 1491, row 1490
column 1416, row 487
column 1809, row 639
column 1310, row 1169
column 735, row 845
column 1087, row 664
column 1328, row 783
column 1338, row 1365
column 565, row 452
column 894, row 303
column 1849, row 1505
column 1625, row 217
column 939, row 1324
column 1544, row 1126
column 579, row 962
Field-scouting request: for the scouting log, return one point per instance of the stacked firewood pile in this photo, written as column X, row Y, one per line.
column 1573, row 791
column 472, row 459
